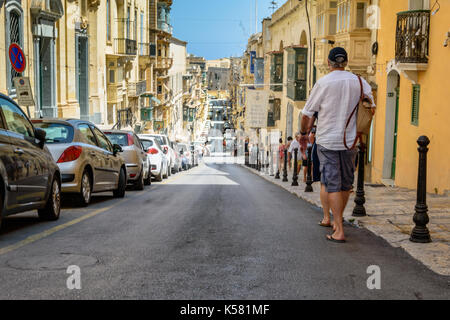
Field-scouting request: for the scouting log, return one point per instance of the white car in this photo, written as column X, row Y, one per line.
column 159, row 161
column 167, row 148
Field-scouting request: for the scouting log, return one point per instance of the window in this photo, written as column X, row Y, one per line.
column 361, row 15
column 56, row 132
column 103, row 141
column 415, row 105
column 14, row 34
column 296, row 82
column 108, row 20
column 135, row 24
column 111, row 76
column 277, row 71
column 128, row 22
column 118, row 138
column 86, row 132
column 343, row 16
column 15, row 119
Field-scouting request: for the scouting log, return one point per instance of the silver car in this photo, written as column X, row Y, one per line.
column 88, row 161
column 136, row 159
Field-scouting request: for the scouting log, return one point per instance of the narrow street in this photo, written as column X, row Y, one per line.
column 214, row 232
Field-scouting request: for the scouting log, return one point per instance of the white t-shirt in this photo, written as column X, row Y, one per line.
column 335, row 96
column 294, row 145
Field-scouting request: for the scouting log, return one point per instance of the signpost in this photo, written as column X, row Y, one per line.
column 17, row 58
column 257, row 108
column 21, row 84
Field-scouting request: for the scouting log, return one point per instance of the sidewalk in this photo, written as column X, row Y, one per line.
column 389, row 215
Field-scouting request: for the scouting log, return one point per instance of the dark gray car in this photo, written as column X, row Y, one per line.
column 29, row 177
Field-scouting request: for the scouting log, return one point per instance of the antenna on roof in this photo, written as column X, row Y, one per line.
column 273, row 6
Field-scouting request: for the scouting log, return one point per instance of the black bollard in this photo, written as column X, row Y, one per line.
column 277, row 175
column 420, row 232
column 359, row 210
column 257, row 158
column 295, row 174
column 285, row 172
column 309, row 181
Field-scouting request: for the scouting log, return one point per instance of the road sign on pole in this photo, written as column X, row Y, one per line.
column 24, row 92
column 17, row 58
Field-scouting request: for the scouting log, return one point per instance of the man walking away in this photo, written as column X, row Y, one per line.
column 334, row 97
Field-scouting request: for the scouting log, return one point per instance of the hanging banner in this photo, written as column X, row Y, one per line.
column 252, row 61
column 257, row 108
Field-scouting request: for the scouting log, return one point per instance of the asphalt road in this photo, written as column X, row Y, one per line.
column 214, row 232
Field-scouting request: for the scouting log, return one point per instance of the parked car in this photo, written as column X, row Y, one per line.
column 29, row 177
column 136, row 159
column 177, row 167
column 159, row 161
column 186, row 156
column 167, row 148
column 88, row 161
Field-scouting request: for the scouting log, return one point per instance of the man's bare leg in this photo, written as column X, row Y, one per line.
column 345, row 195
column 325, row 205
column 336, row 202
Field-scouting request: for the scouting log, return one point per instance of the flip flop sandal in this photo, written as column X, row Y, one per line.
column 330, row 238
column 329, row 225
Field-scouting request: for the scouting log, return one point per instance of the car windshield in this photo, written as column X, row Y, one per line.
column 118, row 138
column 56, row 132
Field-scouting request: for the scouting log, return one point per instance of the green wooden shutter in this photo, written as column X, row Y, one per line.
column 415, row 105
column 291, row 74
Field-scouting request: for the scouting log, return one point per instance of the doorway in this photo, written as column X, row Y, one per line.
column 391, row 131
column 82, row 66
column 47, row 76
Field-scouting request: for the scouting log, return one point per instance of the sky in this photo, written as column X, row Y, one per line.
column 217, row 28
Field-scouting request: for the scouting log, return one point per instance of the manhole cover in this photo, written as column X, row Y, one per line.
column 51, row 262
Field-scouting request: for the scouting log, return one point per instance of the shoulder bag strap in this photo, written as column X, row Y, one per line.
column 361, row 97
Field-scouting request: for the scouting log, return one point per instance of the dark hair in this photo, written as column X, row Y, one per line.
column 281, row 140
column 290, row 139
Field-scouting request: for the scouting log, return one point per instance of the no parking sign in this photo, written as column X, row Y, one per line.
column 17, row 57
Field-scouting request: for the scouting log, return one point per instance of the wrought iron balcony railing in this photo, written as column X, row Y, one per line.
column 147, row 49
column 412, row 36
column 135, row 89
column 125, row 46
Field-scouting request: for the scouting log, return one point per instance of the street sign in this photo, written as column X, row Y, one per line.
column 17, row 58
column 24, row 92
column 257, row 108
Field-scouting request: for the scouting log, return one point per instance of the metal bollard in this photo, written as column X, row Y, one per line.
column 420, row 232
column 277, row 175
column 359, row 210
column 285, row 172
column 309, row 181
column 295, row 175
column 272, row 173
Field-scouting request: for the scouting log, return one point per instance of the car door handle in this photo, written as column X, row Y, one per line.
column 92, row 154
column 18, row 151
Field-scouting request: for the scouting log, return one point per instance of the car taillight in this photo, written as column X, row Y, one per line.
column 130, row 139
column 72, row 153
column 152, row 151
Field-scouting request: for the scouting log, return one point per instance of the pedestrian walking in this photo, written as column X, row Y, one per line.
column 281, row 148
column 289, row 141
column 334, row 97
column 295, row 144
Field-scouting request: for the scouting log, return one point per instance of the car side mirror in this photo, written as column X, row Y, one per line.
column 116, row 149
column 40, row 135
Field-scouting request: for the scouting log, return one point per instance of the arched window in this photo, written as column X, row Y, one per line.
column 14, row 34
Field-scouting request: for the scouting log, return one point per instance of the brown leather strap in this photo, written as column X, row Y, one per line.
column 358, row 136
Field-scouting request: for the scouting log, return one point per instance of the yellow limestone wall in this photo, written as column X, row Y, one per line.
column 433, row 109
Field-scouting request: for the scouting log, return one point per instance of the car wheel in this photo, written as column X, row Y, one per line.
column 53, row 207
column 120, row 191
column 139, row 184
column 148, row 180
column 86, row 189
